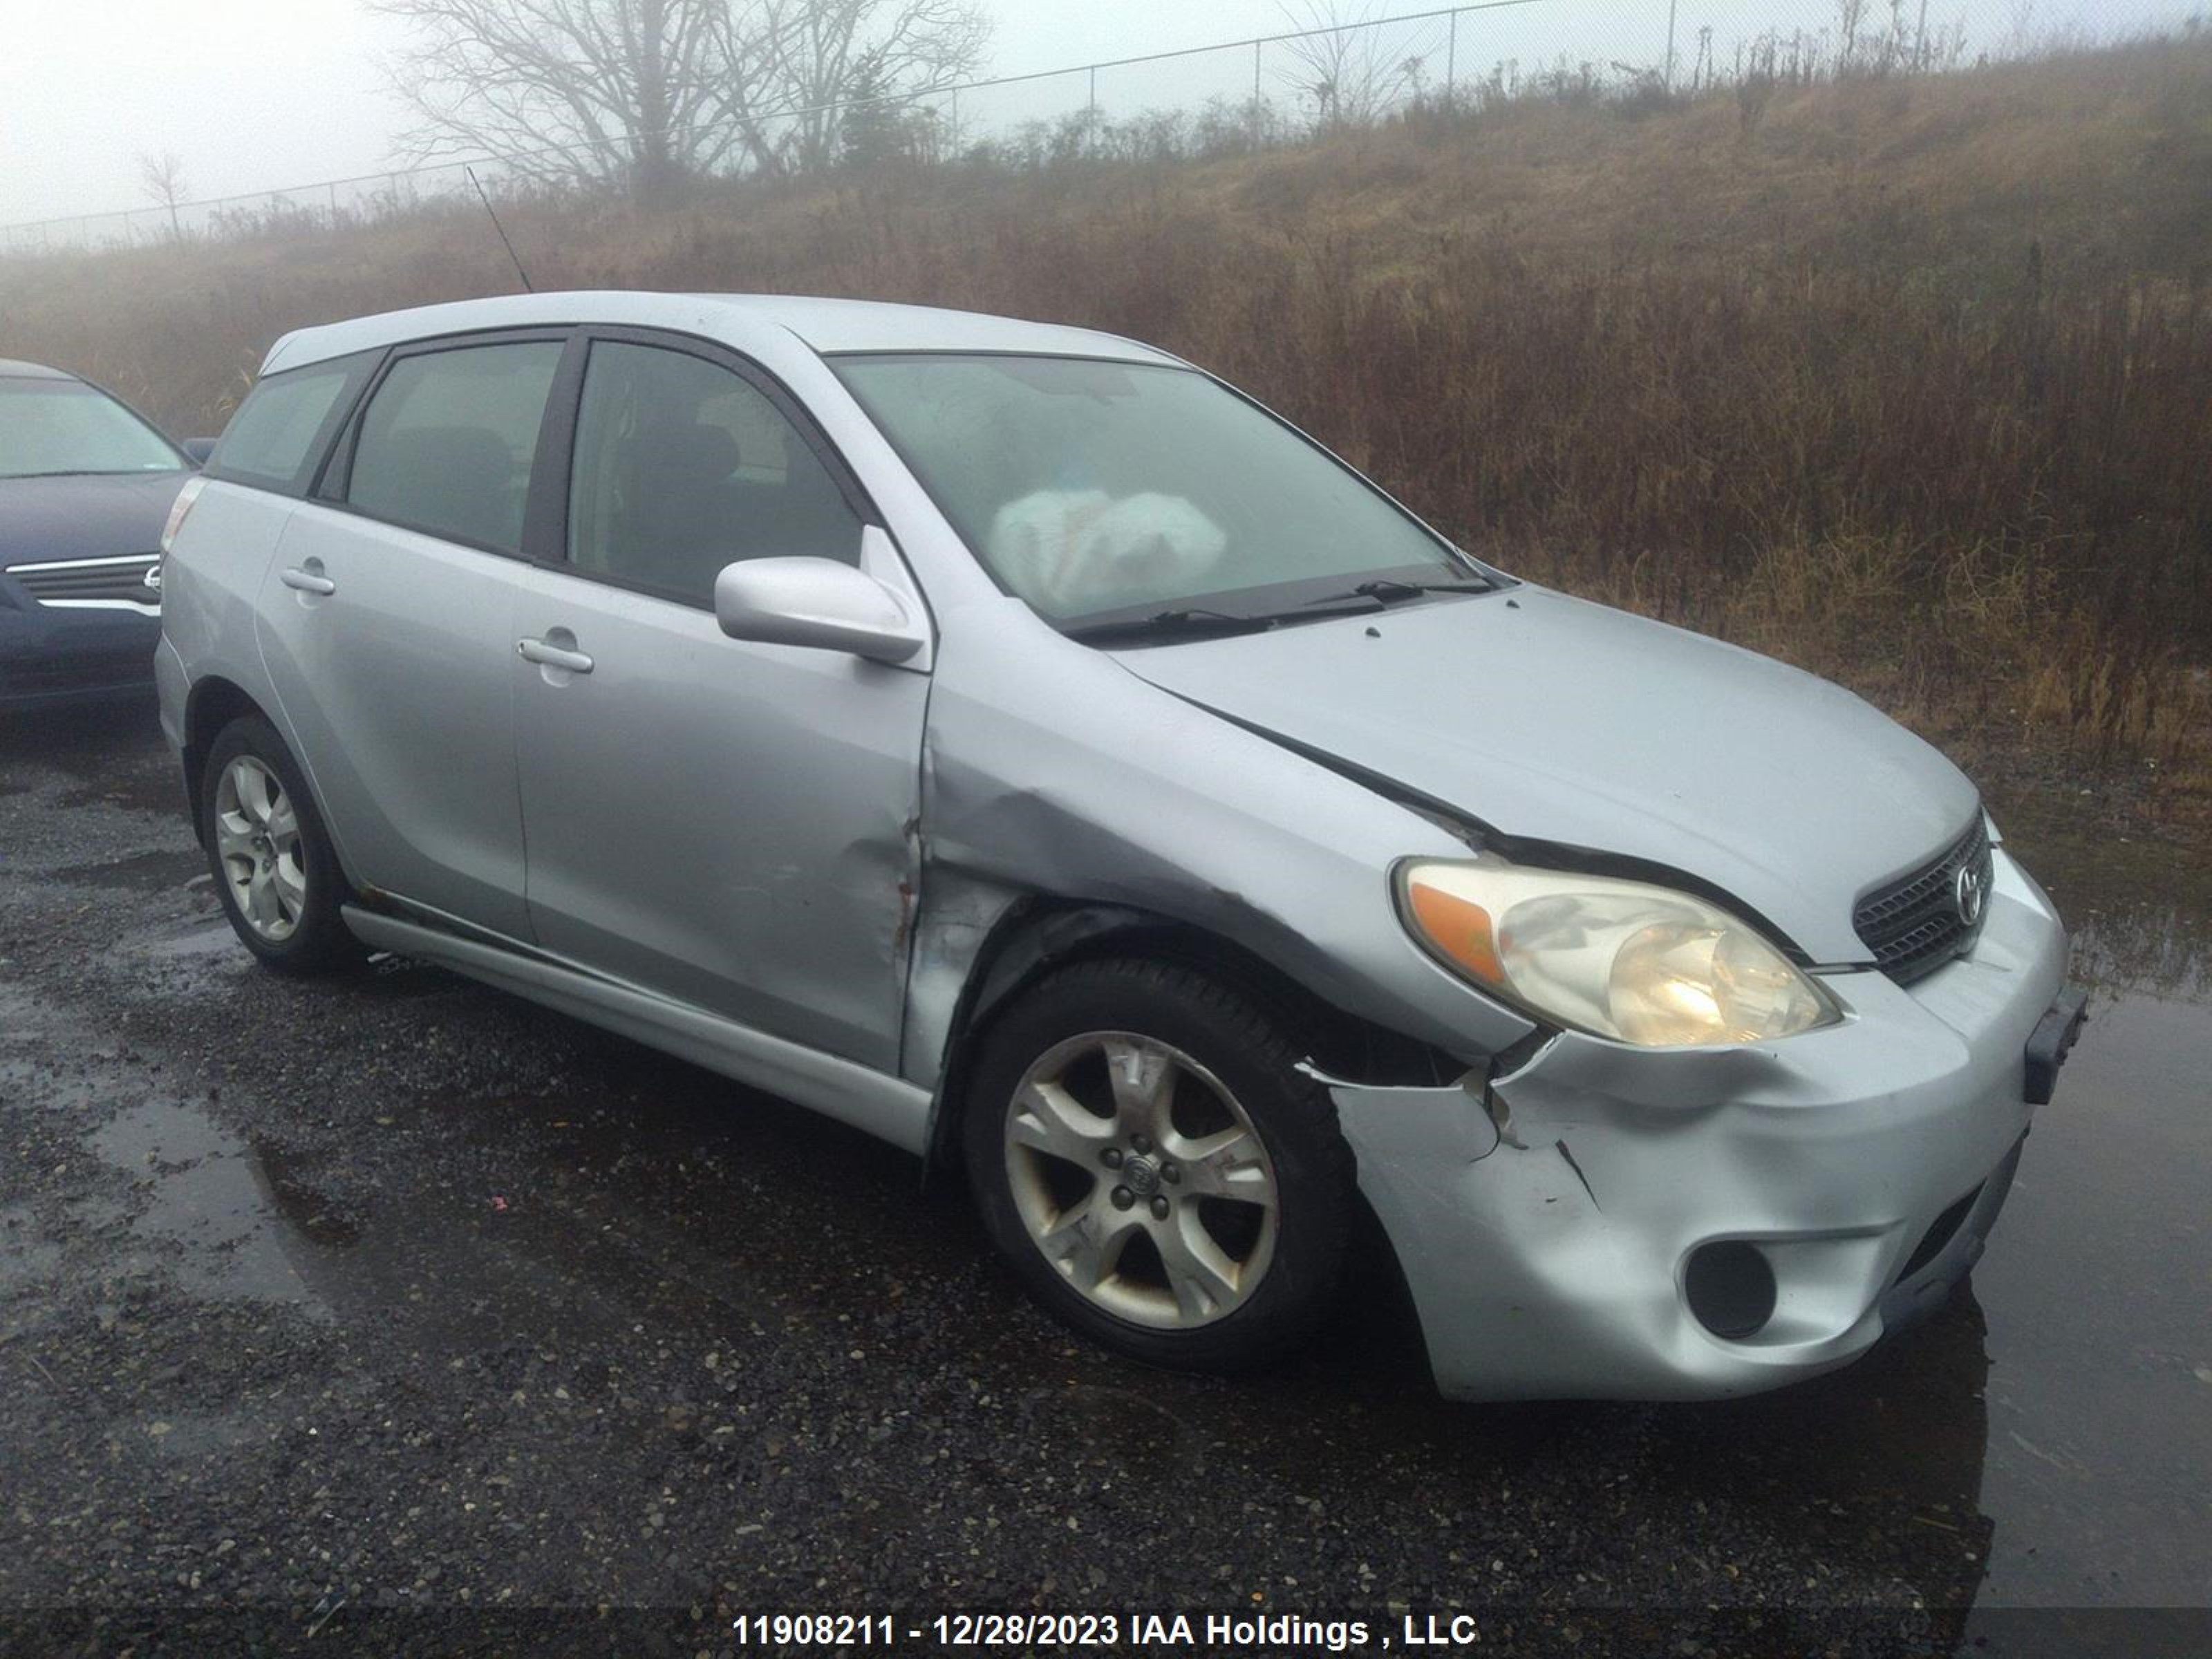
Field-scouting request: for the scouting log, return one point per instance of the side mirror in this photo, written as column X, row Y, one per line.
column 200, row 449
column 815, row 602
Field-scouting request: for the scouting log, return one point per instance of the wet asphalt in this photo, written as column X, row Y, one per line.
column 332, row 1301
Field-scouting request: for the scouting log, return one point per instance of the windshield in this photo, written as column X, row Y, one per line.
column 50, row 427
column 1098, row 490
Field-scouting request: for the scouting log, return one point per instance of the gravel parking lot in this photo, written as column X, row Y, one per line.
column 327, row 1301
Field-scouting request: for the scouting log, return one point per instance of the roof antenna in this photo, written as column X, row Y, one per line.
column 501, row 229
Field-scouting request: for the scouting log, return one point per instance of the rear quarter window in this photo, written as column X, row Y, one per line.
column 281, row 428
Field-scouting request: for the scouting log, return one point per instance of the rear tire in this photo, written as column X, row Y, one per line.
column 276, row 873
column 1148, row 1157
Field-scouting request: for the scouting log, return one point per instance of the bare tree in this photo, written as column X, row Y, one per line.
column 1340, row 64
column 642, row 94
column 1850, row 18
column 878, row 127
column 618, row 92
column 163, row 177
column 823, row 54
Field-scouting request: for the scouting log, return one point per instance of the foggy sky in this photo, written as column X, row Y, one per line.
column 259, row 95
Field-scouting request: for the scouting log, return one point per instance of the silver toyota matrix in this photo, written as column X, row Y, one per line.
column 1017, row 744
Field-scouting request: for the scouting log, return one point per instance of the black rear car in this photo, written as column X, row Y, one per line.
column 86, row 484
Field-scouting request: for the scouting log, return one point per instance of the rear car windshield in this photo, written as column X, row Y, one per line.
column 1090, row 489
column 62, row 428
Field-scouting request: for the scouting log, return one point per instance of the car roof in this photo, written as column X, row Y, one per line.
column 825, row 326
column 16, row 368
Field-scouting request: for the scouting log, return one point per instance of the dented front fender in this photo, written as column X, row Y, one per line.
column 1033, row 787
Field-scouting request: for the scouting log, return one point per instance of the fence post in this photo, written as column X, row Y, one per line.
column 1256, row 49
column 1671, row 7
column 1091, row 120
column 1451, row 63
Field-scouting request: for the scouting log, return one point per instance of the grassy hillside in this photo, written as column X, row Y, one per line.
column 1909, row 381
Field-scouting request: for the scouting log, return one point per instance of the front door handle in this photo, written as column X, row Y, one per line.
column 309, row 582
column 553, row 656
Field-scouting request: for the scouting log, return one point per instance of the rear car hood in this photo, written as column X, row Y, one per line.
column 1548, row 719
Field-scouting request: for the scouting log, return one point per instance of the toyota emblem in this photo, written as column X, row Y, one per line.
column 1971, row 892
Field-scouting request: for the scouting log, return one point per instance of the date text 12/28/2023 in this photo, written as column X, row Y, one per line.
column 1077, row 1632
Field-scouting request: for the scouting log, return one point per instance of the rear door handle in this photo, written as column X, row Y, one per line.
column 309, row 582
column 553, row 656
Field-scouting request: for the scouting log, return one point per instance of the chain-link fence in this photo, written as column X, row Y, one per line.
column 1244, row 95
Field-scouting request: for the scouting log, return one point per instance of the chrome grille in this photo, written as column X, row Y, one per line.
column 116, row 583
column 1913, row 926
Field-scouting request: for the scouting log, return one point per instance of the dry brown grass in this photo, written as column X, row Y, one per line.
column 1909, row 381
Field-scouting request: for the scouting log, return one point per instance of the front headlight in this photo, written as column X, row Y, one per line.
column 1623, row 960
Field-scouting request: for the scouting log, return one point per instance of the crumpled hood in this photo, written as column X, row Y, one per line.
column 1551, row 718
column 89, row 518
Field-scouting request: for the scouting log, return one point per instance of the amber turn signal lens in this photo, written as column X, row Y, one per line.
column 1460, row 928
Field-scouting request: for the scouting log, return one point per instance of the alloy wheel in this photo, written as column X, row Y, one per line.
column 257, row 838
column 1142, row 1180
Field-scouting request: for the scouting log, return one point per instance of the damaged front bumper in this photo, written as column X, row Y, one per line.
column 1587, row 1226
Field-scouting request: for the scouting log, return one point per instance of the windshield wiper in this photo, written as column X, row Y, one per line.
column 77, row 473
column 1389, row 591
column 1191, row 621
column 1198, row 623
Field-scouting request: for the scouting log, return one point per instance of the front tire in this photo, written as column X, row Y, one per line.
column 276, row 873
column 1148, row 1157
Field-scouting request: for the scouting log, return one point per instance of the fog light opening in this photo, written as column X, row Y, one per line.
column 1730, row 1288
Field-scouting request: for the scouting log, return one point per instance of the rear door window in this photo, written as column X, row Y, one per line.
column 448, row 438
column 272, row 441
column 682, row 466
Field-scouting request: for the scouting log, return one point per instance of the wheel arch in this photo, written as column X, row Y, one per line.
column 212, row 703
column 1037, row 936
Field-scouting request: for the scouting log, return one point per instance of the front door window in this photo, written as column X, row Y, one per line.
column 682, row 467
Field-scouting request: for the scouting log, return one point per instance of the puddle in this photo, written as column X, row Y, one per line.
column 38, row 1082
column 2098, row 1283
column 228, row 1219
column 2141, row 918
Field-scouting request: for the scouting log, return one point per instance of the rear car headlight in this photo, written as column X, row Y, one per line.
column 1620, row 959
column 177, row 509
